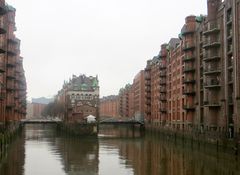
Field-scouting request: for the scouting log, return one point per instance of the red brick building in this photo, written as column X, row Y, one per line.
column 109, row 106
column 12, row 78
column 80, row 98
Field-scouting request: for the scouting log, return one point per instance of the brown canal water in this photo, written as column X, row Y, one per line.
column 41, row 150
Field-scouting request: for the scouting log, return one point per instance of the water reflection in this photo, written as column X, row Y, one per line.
column 40, row 149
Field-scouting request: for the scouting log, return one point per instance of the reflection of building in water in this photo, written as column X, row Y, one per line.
column 79, row 155
column 14, row 162
column 156, row 157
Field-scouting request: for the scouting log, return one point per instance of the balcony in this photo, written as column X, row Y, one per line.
column 148, row 95
column 147, row 89
column 10, row 103
column 148, row 102
column 211, row 104
column 163, row 74
column 10, row 85
column 2, row 8
column 189, row 92
column 11, row 61
column 189, row 68
column 188, row 80
column 189, row 107
column 188, row 29
column 188, row 58
column 229, row 19
column 163, row 110
column 163, row 90
column 211, row 57
column 10, row 73
column 2, row 44
column 163, row 98
column 211, row 43
column 162, row 82
column 212, row 69
column 230, row 100
column 211, row 28
column 147, row 77
column 188, row 46
column 213, row 83
column 162, row 66
column 2, row 67
column 12, row 49
column 3, row 27
column 148, row 83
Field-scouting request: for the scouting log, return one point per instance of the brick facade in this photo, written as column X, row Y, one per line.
column 12, row 78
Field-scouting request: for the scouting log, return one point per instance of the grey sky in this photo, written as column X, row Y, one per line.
column 111, row 38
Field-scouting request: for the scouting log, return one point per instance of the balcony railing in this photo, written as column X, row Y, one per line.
column 213, row 83
column 211, row 43
column 212, row 104
column 163, row 82
column 188, row 46
column 2, row 44
column 211, row 28
column 163, row 74
column 2, row 25
column 187, row 80
column 189, row 68
column 210, row 57
column 147, row 77
column 12, row 48
column 212, row 69
column 10, row 73
column 163, row 90
column 11, row 60
column 163, row 98
column 10, row 85
column 162, row 66
column 2, row 67
column 189, row 107
column 188, row 58
column 189, row 92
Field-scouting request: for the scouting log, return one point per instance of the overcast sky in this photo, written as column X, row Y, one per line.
column 109, row 38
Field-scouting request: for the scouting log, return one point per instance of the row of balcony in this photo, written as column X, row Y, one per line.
column 12, row 49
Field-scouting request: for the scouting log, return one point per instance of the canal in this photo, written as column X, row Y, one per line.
column 42, row 150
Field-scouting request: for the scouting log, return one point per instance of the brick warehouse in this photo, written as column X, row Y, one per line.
column 12, row 77
column 203, row 76
column 193, row 83
column 130, row 102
